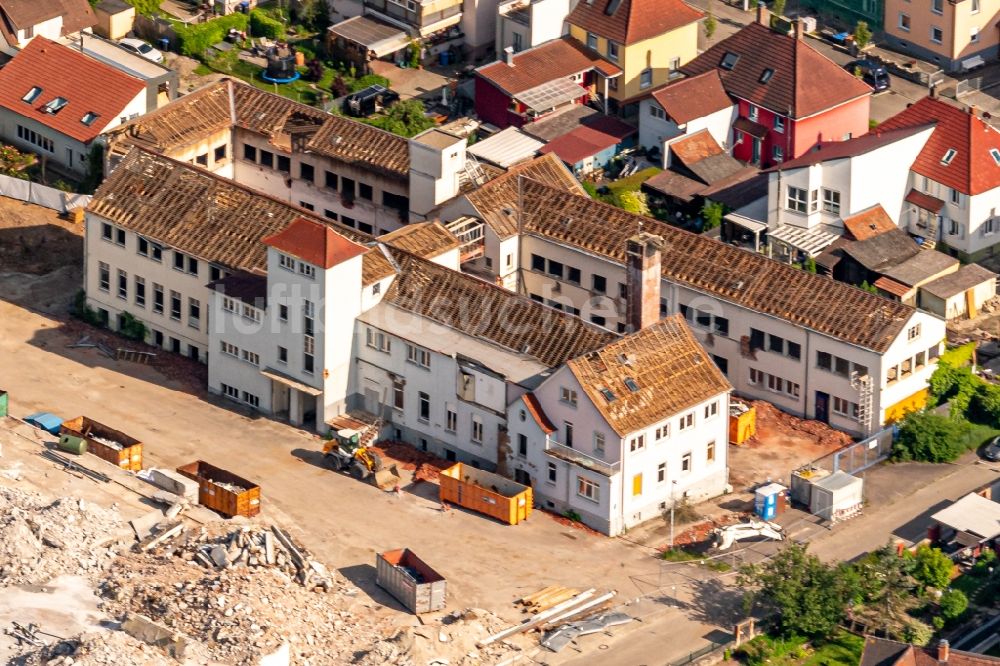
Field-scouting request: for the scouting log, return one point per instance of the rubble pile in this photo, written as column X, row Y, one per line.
column 41, row 538
column 100, row 648
column 425, row 466
column 770, row 417
column 245, row 608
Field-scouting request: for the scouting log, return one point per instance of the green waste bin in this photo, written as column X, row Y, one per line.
column 73, row 444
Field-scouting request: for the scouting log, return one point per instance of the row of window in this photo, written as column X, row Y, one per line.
column 35, row 139
column 246, row 355
column 238, row 307
column 759, row 340
column 704, row 320
column 905, row 368
column 424, row 412
column 240, row 396
column 153, row 251
column 801, row 201
column 774, row 383
column 839, row 366
column 753, row 113
column 140, row 296
column 292, row 265
column 219, row 154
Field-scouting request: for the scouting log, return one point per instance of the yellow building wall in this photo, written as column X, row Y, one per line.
column 956, row 23
column 914, row 403
column 656, row 53
column 964, row 20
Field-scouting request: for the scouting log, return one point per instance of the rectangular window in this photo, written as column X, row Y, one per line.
column 249, row 153
column 777, row 154
column 598, row 442
column 283, row 355
column 721, row 363
column 552, row 472
column 537, row 263
column 202, row 160
column 824, row 360
column 753, row 113
column 779, row 124
column 522, row 445
column 657, row 111
column 612, row 51
column 330, row 180
column 796, row 199
column 377, row 340
column 347, row 187
column 572, row 275
column 794, row 350
column 308, row 270
column 282, row 313
column 555, row 269
column 119, row 237
column 937, row 6
column 686, row 462
column 140, row 291
column 776, row 344
column 451, row 422
column 251, row 399
column 637, row 485
column 286, row 262
column 103, row 276
column 686, row 421
column 661, row 473
column 592, row 40
column 308, row 354
column 424, row 403
column 841, row 366
column 646, row 78
column 567, row 395
column 122, row 285
column 637, row 443
column 397, row 395
column 663, row 432
column 587, row 489
column 229, row 349
column 251, row 358
column 418, row 356
column 710, row 451
column 284, row 164
column 599, row 283
column 192, row 266
column 158, row 298
column 477, row 430
column 194, row 313
column 365, row 191
column 220, row 153
column 178, row 261
column 175, row 305
column 831, row 201
column 568, row 434
column 937, row 36
column 230, row 391
column 307, row 171
column 974, row 9
column 904, row 22
column 711, row 409
column 267, row 159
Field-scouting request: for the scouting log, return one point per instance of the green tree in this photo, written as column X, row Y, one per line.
column 887, row 586
column 810, row 597
column 633, row 202
column 406, row 118
column 953, row 603
column 932, row 568
column 810, row 265
column 712, row 213
column 929, row 437
column 985, row 404
column 710, row 24
column 778, row 8
column 862, row 34
column 948, row 380
column 316, row 15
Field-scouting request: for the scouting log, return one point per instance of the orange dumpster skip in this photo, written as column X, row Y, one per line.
column 223, row 491
column 102, row 440
column 742, row 422
column 485, row 492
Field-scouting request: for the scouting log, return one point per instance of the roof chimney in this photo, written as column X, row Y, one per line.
column 642, row 280
column 763, row 16
column 973, row 110
column 800, row 29
column 508, row 56
column 942, row 651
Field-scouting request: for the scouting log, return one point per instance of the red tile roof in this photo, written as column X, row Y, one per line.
column 695, row 147
column 315, row 243
column 588, row 140
column 925, row 201
column 972, row 170
column 88, row 85
column 837, row 150
column 535, row 409
column 693, row 97
column 555, row 59
column 631, row 21
column 803, row 82
column 869, row 223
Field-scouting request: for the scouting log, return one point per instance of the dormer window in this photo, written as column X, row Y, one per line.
column 766, row 75
column 729, row 60
column 56, row 105
column 88, row 118
column 995, row 154
column 949, row 156
column 32, row 95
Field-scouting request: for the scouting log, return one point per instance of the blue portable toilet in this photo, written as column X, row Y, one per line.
column 767, row 499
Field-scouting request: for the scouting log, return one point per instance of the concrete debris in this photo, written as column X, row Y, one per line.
column 171, row 482
column 13, row 472
column 41, row 538
column 97, row 649
column 142, row 628
column 559, row 638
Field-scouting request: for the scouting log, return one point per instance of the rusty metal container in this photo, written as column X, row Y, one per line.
column 494, row 495
column 223, row 491
column 105, row 442
column 408, row 578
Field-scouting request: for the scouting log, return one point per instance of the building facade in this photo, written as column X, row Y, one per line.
column 525, row 24
column 953, row 35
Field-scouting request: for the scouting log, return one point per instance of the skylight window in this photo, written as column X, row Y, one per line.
column 995, row 154
column 631, row 385
column 88, row 118
column 612, row 7
column 32, row 94
column 608, row 394
column 729, row 60
column 56, row 105
column 766, row 75
column 949, row 156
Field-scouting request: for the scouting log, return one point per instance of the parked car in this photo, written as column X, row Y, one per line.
column 872, row 73
column 140, row 48
column 992, row 450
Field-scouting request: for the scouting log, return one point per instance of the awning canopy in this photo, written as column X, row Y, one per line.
column 551, row 94
column 282, row 378
column 748, row 126
column 925, row 201
column 755, row 226
column 811, row 241
column 380, row 38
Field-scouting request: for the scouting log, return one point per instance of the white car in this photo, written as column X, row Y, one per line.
column 140, row 48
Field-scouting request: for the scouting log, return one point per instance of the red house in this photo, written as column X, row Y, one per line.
column 529, row 85
column 790, row 96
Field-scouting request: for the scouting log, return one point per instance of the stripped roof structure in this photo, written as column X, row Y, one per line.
column 424, row 239
column 491, row 313
column 232, row 103
column 630, row 21
column 693, row 97
column 648, row 376
column 86, row 86
column 963, row 152
column 556, row 59
column 803, row 82
column 496, row 202
column 731, row 274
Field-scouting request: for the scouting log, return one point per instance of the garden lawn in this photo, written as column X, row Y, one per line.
column 978, row 435
column 299, row 90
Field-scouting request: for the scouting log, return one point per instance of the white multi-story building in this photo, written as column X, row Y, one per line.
column 524, row 24
column 620, row 434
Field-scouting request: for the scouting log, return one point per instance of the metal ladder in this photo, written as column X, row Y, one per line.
column 864, row 387
column 474, row 170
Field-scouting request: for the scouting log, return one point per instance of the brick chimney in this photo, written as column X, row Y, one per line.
column 942, row 651
column 508, row 56
column 642, row 280
column 763, row 16
column 800, row 29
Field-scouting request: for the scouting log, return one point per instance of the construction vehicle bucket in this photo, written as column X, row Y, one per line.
column 387, row 478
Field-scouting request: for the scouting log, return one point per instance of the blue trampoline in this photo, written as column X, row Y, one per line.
column 288, row 79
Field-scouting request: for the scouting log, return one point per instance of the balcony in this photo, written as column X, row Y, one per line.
column 469, row 232
column 571, row 455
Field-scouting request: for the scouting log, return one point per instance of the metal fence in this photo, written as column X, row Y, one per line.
column 49, row 197
column 859, row 456
column 711, row 648
column 968, row 85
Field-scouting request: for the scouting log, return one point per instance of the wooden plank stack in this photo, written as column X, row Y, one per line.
column 546, row 598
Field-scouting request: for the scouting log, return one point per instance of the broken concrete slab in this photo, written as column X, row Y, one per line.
column 220, row 556
column 144, row 524
column 142, row 628
column 172, row 482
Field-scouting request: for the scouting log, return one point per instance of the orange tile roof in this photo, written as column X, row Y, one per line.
column 804, row 81
column 88, row 85
column 693, row 97
column 555, row 59
column 696, row 147
column 669, row 370
column 315, row 243
column 972, row 169
column 869, row 222
column 535, row 409
column 631, row 21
